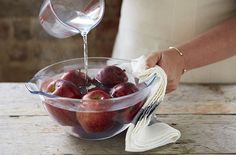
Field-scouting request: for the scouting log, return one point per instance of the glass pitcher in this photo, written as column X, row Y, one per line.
column 65, row 18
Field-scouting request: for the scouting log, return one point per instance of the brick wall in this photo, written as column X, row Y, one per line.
column 25, row 47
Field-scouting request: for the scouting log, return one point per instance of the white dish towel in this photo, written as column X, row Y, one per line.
column 146, row 132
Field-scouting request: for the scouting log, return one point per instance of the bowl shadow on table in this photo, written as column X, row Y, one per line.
column 114, row 145
column 111, row 146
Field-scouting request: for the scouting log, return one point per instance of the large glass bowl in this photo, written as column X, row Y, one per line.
column 115, row 115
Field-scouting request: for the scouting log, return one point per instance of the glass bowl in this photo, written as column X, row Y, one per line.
column 114, row 115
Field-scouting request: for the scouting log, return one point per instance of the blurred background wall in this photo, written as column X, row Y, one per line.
column 25, row 47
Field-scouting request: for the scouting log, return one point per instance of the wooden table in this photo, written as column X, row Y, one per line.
column 205, row 115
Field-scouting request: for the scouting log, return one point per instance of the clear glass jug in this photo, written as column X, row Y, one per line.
column 65, row 18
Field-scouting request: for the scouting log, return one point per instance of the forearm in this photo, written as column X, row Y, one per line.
column 216, row 44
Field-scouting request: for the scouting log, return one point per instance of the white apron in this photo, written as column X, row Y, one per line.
column 151, row 25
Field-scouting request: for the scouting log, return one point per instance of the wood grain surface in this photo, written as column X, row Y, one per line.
column 205, row 115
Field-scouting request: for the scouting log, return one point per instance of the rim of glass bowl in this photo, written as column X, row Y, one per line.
column 49, row 95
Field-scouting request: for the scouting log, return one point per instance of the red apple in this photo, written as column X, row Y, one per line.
column 111, row 75
column 64, row 89
column 123, row 89
column 96, row 95
column 95, row 118
column 77, row 77
column 62, row 116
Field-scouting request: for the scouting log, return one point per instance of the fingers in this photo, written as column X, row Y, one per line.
column 169, row 90
column 157, row 59
column 152, row 59
column 171, row 86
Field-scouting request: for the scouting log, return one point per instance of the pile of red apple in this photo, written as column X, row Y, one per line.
column 94, row 116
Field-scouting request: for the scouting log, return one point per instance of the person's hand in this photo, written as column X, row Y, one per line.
column 171, row 62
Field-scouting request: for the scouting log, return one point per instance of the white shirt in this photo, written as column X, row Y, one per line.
column 151, row 25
